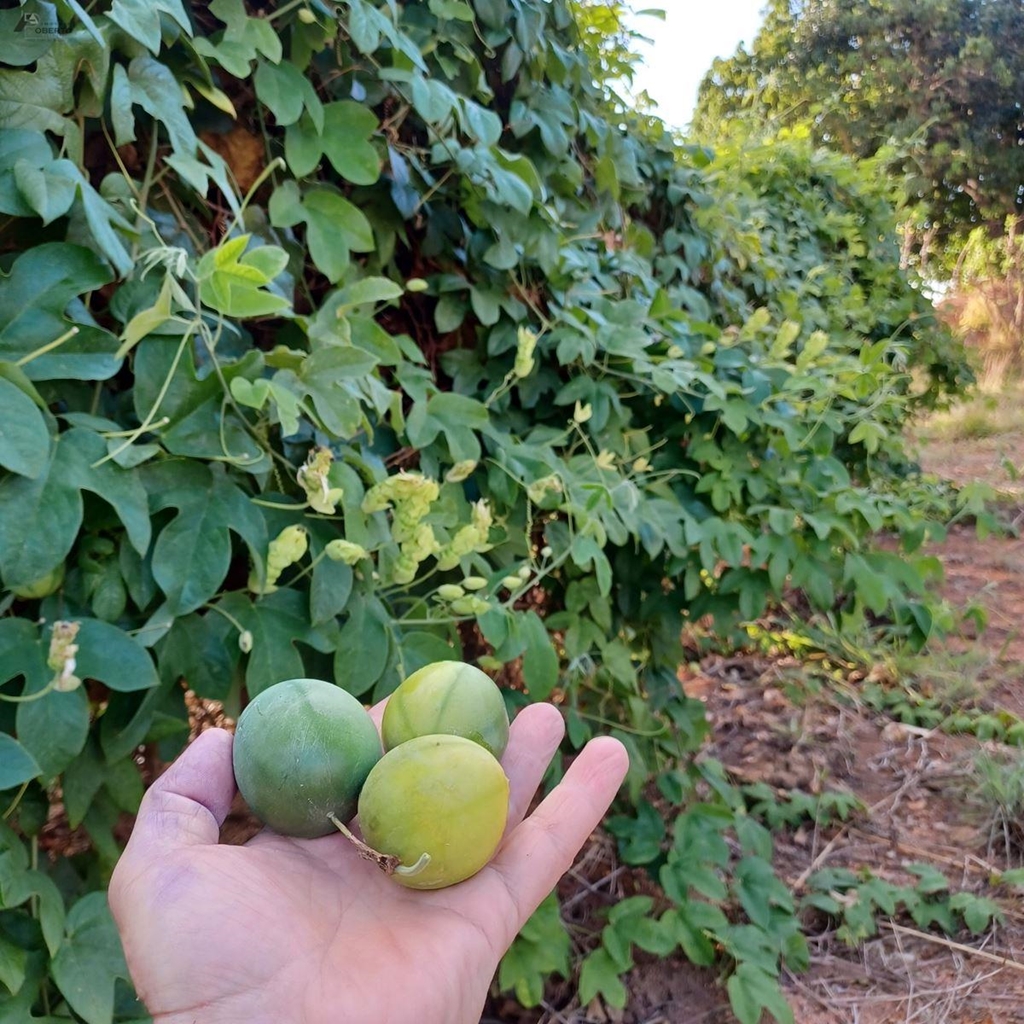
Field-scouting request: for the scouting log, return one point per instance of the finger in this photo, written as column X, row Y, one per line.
column 532, row 742
column 187, row 805
column 537, row 854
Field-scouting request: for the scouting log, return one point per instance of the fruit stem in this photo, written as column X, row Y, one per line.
column 387, row 862
column 416, row 868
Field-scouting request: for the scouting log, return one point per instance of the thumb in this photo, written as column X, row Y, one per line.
column 187, row 805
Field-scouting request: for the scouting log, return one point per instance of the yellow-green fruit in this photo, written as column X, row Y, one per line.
column 302, row 751
column 443, row 796
column 447, row 698
column 42, row 587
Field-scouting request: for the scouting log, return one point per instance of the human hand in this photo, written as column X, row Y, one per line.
column 304, row 931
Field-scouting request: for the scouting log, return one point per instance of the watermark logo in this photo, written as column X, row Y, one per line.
column 28, row 31
column 36, row 22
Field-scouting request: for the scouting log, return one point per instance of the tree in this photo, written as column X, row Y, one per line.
column 939, row 83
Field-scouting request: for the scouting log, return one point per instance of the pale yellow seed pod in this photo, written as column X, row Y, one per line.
column 460, row 471
column 582, row 412
column 345, row 551
column 526, row 343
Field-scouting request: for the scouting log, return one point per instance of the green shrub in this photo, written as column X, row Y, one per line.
column 469, row 320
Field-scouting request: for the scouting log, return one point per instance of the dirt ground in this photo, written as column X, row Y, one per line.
column 920, row 791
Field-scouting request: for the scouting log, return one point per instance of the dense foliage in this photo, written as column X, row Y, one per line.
column 936, row 84
column 339, row 339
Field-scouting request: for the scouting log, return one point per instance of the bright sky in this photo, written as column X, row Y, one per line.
column 692, row 35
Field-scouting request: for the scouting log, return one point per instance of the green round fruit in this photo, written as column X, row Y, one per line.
column 447, row 698
column 42, row 587
column 443, row 796
column 302, row 751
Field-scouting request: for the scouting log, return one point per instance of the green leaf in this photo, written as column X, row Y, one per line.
column 752, row 991
column 253, row 394
column 20, row 43
column 454, row 416
column 347, row 127
column 47, row 193
column 600, row 976
column 931, row 880
column 55, row 727
column 12, row 959
column 33, row 297
column 486, row 305
column 192, row 554
column 128, row 722
column 420, row 648
column 455, row 10
column 978, row 911
column 284, row 89
column 18, row 886
column 39, row 99
column 17, row 765
column 364, row 25
column 141, row 19
column 202, row 650
column 24, row 439
column 449, row 313
column 433, row 100
column 153, row 87
column 20, row 146
column 148, row 321
column 81, row 781
column 121, row 114
column 111, row 656
column 90, row 960
column 83, row 16
column 285, row 206
column 303, row 146
column 368, row 290
column 277, row 621
column 200, row 173
column 541, row 948
column 760, row 890
column 540, row 662
column 42, row 516
column 691, row 932
column 242, row 41
column 480, row 123
column 334, row 227
column 331, row 377
column 231, row 280
column 199, row 425
column 329, row 590
column 640, row 838
column 1014, row 877
column 363, row 646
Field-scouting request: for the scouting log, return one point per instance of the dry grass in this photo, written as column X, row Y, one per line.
column 996, row 408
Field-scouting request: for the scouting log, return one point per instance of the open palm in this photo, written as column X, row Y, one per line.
column 293, row 930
